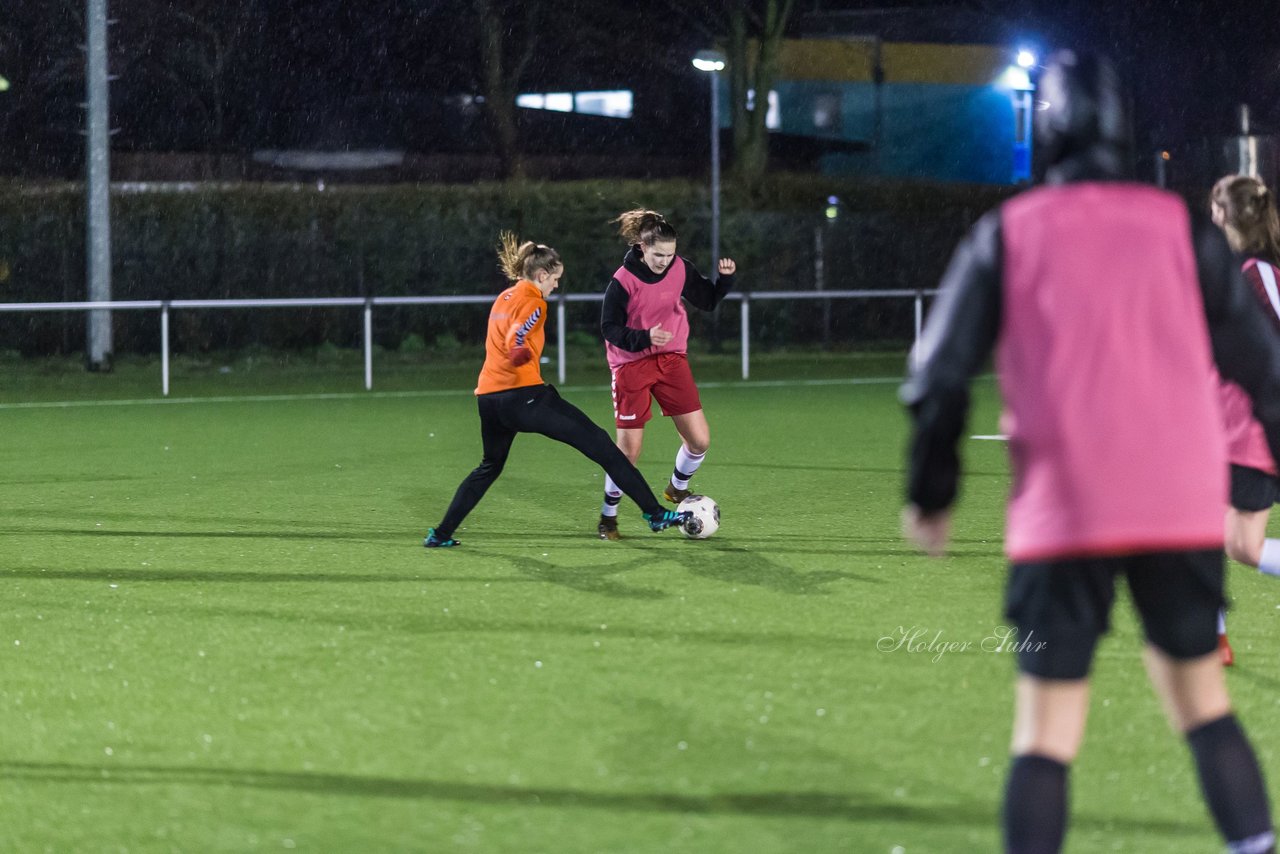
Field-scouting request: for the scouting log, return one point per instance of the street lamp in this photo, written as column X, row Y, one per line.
column 1016, row 80
column 712, row 62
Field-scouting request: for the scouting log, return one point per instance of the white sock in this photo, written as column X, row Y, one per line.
column 686, row 465
column 1269, row 564
column 612, row 497
column 1222, row 622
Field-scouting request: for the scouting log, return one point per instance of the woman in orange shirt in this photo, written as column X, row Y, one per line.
column 513, row 399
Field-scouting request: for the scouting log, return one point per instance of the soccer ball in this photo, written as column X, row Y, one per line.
column 704, row 518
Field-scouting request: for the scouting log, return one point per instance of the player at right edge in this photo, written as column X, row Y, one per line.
column 1107, row 304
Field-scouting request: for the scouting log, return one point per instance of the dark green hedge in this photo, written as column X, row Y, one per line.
column 245, row 241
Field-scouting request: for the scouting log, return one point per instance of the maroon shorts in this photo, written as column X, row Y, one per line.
column 665, row 376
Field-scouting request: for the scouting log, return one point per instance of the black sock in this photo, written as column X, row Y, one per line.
column 1232, row 784
column 1035, row 805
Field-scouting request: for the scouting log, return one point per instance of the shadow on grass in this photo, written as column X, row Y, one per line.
column 731, row 564
column 899, row 472
column 47, row 479
column 657, row 547
column 169, row 516
column 208, row 535
column 674, row 546
column 712, row 560
column 209, row 576
column 837, row 806
column 1245, row 674
column 833, row 805
column 590, row 579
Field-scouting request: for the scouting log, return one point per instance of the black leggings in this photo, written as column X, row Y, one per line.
column 539, row 409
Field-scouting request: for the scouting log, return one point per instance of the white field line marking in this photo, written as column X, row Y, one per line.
column 366, row 395
column 995, row 437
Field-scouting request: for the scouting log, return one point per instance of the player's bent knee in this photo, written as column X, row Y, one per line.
column 1244, row 552
column 631, row 450
column 697, row 444
column 491, row 468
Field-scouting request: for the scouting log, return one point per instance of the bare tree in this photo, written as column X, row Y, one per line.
column 751, row 32
column 192, row 48
column 40, row 54
column 504, row 60
column 756, row 29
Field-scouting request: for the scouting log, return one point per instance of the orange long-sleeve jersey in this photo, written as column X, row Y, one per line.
column 516, row 320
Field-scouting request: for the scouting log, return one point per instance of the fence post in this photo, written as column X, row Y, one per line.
column 746, row 336
column 560, row 339
column 164, row 348
column 915, row 344
column 820, row 279
column 368, row 344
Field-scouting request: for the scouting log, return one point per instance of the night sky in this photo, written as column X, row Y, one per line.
column 235, row 75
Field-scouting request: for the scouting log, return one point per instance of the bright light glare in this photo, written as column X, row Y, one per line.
column 616, row 104
column 1015, row 78
column 709, row 60
column 4, row 85
column 560, row 102
column 1026, row 58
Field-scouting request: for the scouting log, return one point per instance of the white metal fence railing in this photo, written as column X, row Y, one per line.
column 165, row 307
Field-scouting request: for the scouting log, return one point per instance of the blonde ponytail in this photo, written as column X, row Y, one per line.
column 523, row 260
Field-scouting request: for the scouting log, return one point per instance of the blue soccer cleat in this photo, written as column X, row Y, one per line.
column 432, row 541
column 664, row 519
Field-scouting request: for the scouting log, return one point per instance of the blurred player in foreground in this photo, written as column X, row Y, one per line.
column 513, row 399
column 1107, row 304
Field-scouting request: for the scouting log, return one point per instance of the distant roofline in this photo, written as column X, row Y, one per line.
column 936, row 24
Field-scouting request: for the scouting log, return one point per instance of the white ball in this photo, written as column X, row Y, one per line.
column 704, row 519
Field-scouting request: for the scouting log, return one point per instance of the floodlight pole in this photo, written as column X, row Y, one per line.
column 98, row 188
column 715, row 174
column 713, row 61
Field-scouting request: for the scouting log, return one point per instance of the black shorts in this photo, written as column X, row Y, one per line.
column 1253, row 489
column 1062, row 608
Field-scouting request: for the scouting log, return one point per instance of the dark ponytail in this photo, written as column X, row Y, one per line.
column 645, row 227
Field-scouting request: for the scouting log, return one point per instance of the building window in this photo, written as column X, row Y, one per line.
column 615, row 104
column 827, row 115
column 773, row 118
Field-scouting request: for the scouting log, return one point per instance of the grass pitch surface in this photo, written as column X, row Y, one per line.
column 220, row 632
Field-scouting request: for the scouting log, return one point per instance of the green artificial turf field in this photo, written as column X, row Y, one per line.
column 219, row 632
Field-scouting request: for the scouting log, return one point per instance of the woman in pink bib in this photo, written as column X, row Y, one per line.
column 1245, row 210
column 646, row 333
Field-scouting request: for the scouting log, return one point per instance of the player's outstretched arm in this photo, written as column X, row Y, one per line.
column 702, row 293
column 958, row 339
